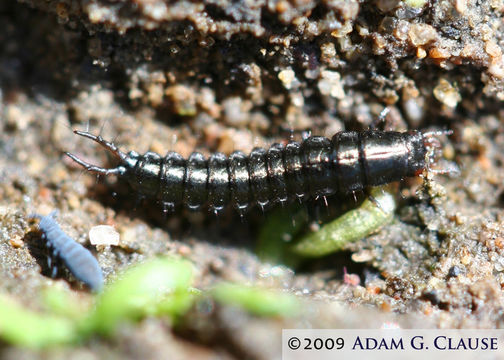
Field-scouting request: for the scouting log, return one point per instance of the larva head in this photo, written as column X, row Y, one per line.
column 388, row 156
column 126, row 160
column 46, row 223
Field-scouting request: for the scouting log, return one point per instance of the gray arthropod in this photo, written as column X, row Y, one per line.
column 78, row 260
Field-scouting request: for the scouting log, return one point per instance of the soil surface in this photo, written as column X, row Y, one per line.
column 157, row 75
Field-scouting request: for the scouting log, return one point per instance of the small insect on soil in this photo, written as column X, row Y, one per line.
column 79, row 260
column 318, row 166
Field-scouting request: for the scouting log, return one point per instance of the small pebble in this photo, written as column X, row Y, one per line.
column 104, row 235
column 447, row 93
column 454, row 271
column 16, row 242
column 421, row 34
column 287, row 77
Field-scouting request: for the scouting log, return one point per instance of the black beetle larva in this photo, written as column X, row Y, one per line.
column 76, row 257
column 317, row 166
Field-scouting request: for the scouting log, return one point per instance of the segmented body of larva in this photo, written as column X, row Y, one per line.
column 318, row 166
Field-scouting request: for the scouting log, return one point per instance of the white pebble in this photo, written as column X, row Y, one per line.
column 103, row 235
